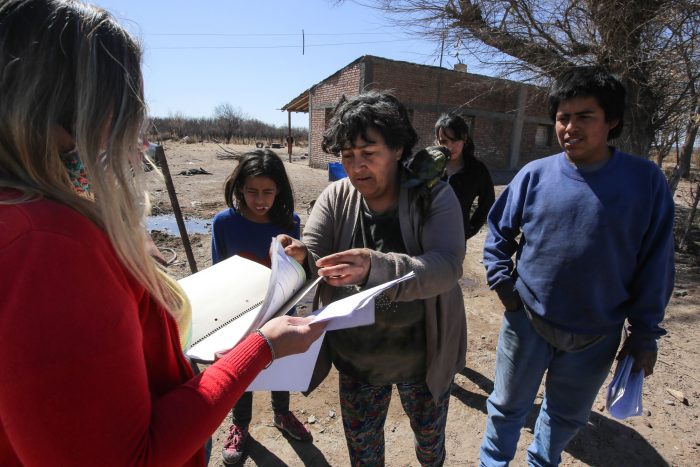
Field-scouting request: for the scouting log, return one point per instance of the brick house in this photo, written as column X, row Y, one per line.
column 508, row 120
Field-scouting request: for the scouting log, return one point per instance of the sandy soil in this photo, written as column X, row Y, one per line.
column 665, row 435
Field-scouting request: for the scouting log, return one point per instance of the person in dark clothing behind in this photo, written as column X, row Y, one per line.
column 468, row 176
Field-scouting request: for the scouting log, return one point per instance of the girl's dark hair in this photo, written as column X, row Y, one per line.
column 591, row 81
column 381, row 111
column 459, row 129
column 263, row 163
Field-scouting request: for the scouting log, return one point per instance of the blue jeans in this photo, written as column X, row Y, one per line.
column 572, row 384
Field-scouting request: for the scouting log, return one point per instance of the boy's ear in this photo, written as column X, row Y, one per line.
column 613, row 124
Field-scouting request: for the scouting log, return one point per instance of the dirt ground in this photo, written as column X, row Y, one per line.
column 667, row 433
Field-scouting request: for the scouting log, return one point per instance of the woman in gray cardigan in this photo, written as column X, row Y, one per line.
column 370, row 228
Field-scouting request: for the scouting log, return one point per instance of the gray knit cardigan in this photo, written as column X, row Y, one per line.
column 435, row 253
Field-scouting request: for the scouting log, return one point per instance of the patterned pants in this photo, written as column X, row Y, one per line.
column 364, row 408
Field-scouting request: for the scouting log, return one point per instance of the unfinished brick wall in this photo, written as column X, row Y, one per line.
column 539, row 115
column 322, row 99
column 427, row 91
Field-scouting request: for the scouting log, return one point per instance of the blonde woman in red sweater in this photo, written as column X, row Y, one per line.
column 92, row 366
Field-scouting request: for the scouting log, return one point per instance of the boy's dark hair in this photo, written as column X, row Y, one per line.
column 262, row 163
column 591, row 81
column 352, row 117
column 459, row 129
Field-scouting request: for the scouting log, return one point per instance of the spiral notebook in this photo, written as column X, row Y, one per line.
column 237, row 295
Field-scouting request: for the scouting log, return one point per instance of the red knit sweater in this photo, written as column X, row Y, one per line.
column 91, row 369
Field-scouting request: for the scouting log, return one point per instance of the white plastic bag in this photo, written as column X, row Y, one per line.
column 625, row 390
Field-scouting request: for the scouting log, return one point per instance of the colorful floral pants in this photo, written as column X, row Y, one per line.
column 364, row 408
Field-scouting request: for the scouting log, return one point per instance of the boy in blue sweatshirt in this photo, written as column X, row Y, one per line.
column 591, row 230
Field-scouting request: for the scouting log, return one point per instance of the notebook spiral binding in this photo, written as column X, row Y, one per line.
column 226, row 323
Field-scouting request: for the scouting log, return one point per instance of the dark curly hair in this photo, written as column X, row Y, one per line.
column 262, row 163
column 381, row 111
column 591, row 81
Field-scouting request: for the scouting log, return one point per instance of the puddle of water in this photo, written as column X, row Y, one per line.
column 167, row 223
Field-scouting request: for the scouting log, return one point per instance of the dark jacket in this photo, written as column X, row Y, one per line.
column 473, row 181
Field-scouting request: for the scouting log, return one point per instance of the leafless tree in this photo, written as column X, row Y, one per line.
column 653, row 45
column 679, row 111
column 691, row 132
column 685, row 234
column 249, row 130
column 229, row 119
column 175, row 124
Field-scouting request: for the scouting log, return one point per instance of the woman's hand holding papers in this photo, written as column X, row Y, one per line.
column 349, row 267
column 291, row 334
column 293, row 247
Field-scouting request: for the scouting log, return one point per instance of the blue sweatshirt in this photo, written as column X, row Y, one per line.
column 596, row 247
column 233, row 234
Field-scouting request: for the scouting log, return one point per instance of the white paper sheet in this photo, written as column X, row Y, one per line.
column 287, row 278
column 355, row 310
column 293, row 373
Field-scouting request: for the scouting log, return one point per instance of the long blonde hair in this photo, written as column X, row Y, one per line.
column 67, row 64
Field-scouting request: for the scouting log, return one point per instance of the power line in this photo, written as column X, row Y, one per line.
column 265, row 34
column 187, row 47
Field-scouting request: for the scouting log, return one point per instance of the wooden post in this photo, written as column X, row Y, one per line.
column 162, row 162
column 289, row 135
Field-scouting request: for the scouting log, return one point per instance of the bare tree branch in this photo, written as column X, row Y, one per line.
column 653, row 45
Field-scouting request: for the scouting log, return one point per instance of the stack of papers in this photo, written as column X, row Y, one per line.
column 236, row 296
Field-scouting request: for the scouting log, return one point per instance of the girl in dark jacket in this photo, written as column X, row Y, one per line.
column 468, row 176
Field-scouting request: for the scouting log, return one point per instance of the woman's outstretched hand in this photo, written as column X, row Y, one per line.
column 293, row 247
column 292, row 334
column 349, row 267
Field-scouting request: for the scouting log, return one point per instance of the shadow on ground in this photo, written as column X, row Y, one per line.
column 307, row 452
column 602, row 441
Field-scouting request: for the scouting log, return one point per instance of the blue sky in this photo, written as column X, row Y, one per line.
column 198, row 54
